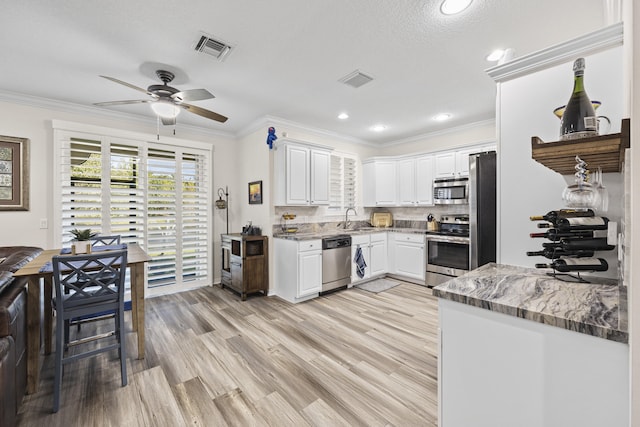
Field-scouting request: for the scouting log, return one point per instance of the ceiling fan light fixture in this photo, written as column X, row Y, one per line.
column 165, row 109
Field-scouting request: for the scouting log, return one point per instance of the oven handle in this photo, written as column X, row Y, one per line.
column 449, row 239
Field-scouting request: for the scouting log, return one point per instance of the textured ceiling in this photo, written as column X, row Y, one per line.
column 287, row 58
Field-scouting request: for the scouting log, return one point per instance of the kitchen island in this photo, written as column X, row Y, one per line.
column 518, row 347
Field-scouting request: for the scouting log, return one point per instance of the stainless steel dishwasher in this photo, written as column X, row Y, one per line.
column 336, row 262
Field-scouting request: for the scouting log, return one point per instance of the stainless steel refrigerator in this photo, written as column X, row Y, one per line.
column 482, row 208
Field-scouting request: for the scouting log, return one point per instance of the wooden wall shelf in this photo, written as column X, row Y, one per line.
column 605, row 151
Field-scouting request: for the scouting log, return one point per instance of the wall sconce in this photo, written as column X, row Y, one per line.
column 223, row 204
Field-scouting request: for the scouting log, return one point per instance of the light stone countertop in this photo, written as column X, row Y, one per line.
column 597, row 309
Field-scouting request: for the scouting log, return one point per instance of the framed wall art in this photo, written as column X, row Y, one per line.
column 255, row 193
column 14, row 173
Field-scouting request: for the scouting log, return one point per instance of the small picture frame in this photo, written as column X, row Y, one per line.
column 255, row 193
column 14, row 173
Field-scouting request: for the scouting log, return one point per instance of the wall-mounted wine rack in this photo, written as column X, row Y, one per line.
column 605, row 151
column 577, row 244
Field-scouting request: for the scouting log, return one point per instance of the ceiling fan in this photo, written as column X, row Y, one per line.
column 167, row 101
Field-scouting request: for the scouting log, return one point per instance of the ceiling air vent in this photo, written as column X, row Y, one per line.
column 356, row 79
column 216, row 48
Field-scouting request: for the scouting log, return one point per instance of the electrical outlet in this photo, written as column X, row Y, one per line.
column 44, row 223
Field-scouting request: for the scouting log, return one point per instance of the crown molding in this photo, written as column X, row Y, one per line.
column 596, row 41
column 70, row 107
column 447, row 131
column 268, row 120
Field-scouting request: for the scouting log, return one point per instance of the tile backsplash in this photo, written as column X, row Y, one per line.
column 319, row 218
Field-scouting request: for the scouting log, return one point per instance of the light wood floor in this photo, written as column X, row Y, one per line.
column 350, row 358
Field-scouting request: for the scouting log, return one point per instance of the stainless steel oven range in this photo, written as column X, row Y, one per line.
column 448, row 250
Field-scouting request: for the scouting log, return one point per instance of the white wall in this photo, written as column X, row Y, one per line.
column 526, row 109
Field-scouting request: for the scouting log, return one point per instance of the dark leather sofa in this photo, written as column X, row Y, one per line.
column 13, row 330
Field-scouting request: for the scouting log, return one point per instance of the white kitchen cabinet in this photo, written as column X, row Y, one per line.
column 462, row 160
column 454, row 164
column 297, row 175
column 374, row 251
column 415, row 181
column 310, row 273
column 320, row 170
column 406, row 182
column 445, row 165
column 301, row 175
column 424, row 181
column 378, row 254
column 380, row 183
column 298, row 269
column 407, row 255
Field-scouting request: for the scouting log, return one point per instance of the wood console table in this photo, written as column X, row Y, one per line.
column 249, row 264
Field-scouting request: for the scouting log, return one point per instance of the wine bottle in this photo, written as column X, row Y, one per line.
column 595, row 244
column 565, row 265
column 578, row 223
column 552, row 216
column 579, row 118
column 555, row 235
column 555, row 253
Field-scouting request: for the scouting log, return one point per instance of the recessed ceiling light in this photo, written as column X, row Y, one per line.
column 451, row 7
column 343, row 116
column 495, row 55
column 378, row 128
column 442, row 117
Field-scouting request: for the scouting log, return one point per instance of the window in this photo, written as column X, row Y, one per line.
column 154, row 195
column 342, row 190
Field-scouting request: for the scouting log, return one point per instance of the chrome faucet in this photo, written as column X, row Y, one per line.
column 346, row 217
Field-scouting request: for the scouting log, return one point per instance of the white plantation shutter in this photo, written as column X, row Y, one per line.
column 195, row 203
column 155, row 195
column 342, row 192
column 178, row 205
column 102, row 189
column 162, row 203
column 349, row 182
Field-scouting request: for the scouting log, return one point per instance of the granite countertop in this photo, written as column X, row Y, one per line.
column 340, row 231
column 597, row 309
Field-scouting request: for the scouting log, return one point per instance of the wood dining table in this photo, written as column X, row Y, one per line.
column 36, row 270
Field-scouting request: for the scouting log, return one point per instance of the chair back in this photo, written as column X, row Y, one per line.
column 89, row 281
column 100, row 240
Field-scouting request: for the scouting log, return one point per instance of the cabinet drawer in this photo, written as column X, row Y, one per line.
column 413, row 238
column 378, row 237
column 310, row 245
column 360, row 240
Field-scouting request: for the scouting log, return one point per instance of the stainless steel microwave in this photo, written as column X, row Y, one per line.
column 451, row 191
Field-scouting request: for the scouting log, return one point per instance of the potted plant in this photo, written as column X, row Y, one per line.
column 80, row 244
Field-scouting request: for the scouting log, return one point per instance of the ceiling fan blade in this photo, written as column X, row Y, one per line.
column 192, row 95
column 168, row 121
column 139, row 89
column 204, row 113
column 133, row 101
